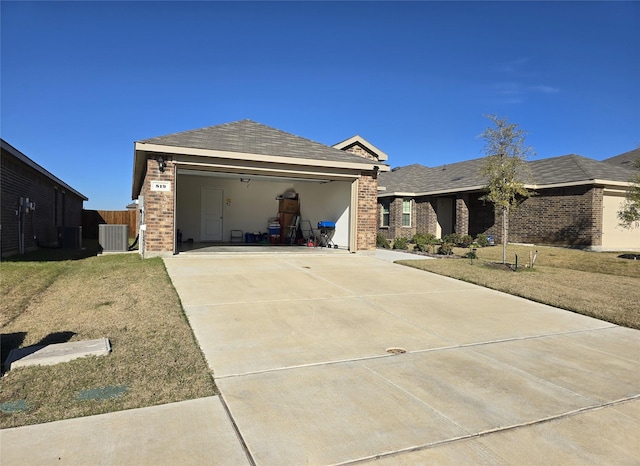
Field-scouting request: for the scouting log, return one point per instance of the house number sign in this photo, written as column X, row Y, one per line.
column 160, row 185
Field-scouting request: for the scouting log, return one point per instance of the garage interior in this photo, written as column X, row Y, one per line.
column 214, row 208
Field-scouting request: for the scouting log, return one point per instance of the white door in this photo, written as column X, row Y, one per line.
column 211, row 214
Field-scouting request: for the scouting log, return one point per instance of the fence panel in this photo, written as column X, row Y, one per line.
column 92, row 218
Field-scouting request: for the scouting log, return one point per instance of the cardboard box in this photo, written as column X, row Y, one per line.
column 288, row 206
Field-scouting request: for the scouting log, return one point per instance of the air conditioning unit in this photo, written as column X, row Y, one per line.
column 113, row 237
column 70, row 237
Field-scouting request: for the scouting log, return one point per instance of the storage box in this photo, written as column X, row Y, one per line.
column 288, row 206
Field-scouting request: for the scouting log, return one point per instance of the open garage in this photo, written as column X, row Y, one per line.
column 233, row 183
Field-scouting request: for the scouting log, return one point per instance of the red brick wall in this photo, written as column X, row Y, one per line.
column 159, row 207
column 367, row 220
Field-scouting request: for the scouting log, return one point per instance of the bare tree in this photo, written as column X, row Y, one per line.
column 506, row 168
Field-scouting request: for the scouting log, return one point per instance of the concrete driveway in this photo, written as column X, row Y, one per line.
column 302, row 349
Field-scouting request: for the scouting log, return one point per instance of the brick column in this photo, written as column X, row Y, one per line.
column 159, row 210
column 597, row 200
column 462, row 214
column 367, row 212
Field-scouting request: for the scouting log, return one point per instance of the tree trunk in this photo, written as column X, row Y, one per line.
column 504, row 234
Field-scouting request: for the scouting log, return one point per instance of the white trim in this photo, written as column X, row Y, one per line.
column 365, row 165
column 274, row 172
column 357, row 139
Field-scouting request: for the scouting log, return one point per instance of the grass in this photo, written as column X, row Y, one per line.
column 595, row 284
column 48, row 297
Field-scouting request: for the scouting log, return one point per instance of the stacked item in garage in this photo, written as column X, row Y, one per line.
column 288, row 212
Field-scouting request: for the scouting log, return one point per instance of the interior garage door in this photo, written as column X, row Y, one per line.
column 615, row 237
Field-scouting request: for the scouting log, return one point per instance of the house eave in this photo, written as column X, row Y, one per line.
column 243, row 161
column 43, row 171
column 534, row 187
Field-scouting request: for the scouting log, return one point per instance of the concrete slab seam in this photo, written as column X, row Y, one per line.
column 427, row 350
column 485, row 433
column 407, row 392
column 237, row 431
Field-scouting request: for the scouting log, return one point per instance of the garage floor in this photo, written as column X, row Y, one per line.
column 333, row 358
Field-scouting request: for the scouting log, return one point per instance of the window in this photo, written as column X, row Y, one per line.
column 384, row 213
column 406, row 212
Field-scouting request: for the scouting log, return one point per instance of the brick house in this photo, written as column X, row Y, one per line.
column 38, row 209
column 575, row 203
column 215, row 183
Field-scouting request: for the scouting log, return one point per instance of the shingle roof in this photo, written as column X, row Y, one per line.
column 626, row 160
column 246, row 136
column 465, row 175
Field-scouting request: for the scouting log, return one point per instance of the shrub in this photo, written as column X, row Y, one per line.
column 465, row 241
column 382, row 242
column 452, row 238
column 425, row 242
column 446, row 248
column 400, row 243
column 482, row 240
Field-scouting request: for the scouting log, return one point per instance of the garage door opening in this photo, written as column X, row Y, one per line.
column 231, row 210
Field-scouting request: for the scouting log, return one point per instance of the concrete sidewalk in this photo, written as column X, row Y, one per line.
column 304, row 349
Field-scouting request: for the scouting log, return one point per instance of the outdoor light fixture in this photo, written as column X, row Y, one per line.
column 161, row 164
column 375, row 172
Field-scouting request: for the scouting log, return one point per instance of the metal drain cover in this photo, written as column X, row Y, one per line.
column 396, row 350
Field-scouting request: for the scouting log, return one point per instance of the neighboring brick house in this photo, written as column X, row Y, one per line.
column 575, row 203
column 38, row 209
column 211, row 184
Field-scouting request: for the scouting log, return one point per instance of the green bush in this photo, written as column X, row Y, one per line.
column 425, row 242
column 400, row 243
column 482, row 240
column 382, row 242
column 452, row 238
column 465, row 241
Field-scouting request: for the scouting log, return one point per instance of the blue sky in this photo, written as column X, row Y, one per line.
column 81, row 81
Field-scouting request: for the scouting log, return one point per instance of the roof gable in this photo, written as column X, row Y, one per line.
column 360, row 146
column 626, row 160
column 249, row 137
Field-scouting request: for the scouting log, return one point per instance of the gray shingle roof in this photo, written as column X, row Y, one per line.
column 464, row 175
column 626, row 160
column 249, row 137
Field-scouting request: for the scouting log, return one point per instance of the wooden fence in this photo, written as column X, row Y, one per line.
column 92, row 218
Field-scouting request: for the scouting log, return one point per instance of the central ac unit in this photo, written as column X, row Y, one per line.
column 113, row 237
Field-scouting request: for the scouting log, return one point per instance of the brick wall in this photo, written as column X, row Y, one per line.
column 55, row 206
column 159, row 212
column 569, row 216
column 565, row 216
column 461, row 219
column 367, row 221
column 357, row 149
